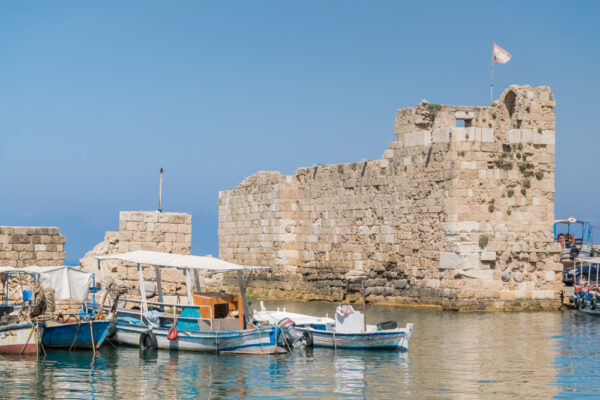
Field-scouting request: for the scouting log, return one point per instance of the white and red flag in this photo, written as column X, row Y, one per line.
column 500, row 55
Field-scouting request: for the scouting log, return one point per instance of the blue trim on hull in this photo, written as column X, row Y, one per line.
column 209, row 336
column 397, row 348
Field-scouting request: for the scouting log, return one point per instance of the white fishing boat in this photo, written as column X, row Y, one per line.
column 347, row 331
column 210, row 322
column 20, row 338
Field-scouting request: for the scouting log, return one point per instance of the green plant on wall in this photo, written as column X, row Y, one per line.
column 483, row 241
column 539, row 175
column 433, row 110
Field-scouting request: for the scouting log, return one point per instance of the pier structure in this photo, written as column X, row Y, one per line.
column 457, row 214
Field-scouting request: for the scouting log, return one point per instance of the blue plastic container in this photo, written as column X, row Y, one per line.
column 27, row 295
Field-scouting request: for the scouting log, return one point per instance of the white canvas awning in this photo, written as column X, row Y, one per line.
column 67, row 282
column 206, row 263
column 588, row 260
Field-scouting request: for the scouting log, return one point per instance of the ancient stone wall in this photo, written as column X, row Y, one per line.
column 144, row 230
column 22, row 246
column 457, row 216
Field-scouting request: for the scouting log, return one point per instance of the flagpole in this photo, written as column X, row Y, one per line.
column 492, row 79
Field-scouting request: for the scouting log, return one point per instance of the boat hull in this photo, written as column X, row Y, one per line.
column 392, row 339
column 75, row 334
column 250, row 341
column 20, row 338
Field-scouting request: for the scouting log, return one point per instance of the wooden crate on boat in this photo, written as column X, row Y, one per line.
column 222, row 305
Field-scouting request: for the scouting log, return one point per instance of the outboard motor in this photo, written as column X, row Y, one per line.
column 293, row 337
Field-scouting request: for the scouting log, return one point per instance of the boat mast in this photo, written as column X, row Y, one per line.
column 160, row 192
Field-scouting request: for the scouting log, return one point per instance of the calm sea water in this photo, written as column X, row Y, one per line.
column 451, row 355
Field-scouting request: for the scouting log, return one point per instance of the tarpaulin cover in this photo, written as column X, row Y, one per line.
column 67, row 282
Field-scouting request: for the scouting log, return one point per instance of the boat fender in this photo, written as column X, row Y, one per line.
column 112, row 331
column 574, row 252
column 582, row 303
column 148, row 341
column 576, row 302
column 173, row 334
column 593, row 303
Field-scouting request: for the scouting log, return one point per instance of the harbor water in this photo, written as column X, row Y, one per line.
column 451, row 355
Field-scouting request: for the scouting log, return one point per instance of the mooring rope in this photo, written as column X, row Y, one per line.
column 76, row 333
column 92, row 335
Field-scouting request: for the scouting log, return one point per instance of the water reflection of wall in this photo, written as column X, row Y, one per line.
column 508, row 354
column 451, row 355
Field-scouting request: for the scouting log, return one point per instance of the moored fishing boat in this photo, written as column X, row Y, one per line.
column 348, row 331
column 210, row 322
column 60, row 295
column 20, row 338
column 20, row 328
column 388, row 339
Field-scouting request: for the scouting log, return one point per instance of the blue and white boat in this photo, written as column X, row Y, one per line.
column 347, row 331
column 389, row 339
column 82, row 330
column 209, row 322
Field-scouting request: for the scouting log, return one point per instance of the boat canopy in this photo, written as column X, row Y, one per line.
column 155, row 258
column 571, row 220
column 67, row 282
column 588, row 260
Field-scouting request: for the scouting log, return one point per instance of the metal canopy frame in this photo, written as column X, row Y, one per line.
column 187, row 263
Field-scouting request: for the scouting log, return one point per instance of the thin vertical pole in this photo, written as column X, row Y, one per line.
column 188, row 285
column 492, row 79
column 144, row 307
column 94, row 291
column 160, row 192
column 197, row 281
column 364, row 306
column 159, row 286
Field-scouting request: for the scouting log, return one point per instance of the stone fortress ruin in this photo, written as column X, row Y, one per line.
column 457, row 217
column 452, row 216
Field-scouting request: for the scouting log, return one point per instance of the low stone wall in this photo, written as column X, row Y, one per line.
column 22, row 246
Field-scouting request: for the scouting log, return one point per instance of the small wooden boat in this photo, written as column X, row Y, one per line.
column 209, row 322
column 21, row 338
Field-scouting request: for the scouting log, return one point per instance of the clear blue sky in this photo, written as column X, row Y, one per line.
column 95, row 97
